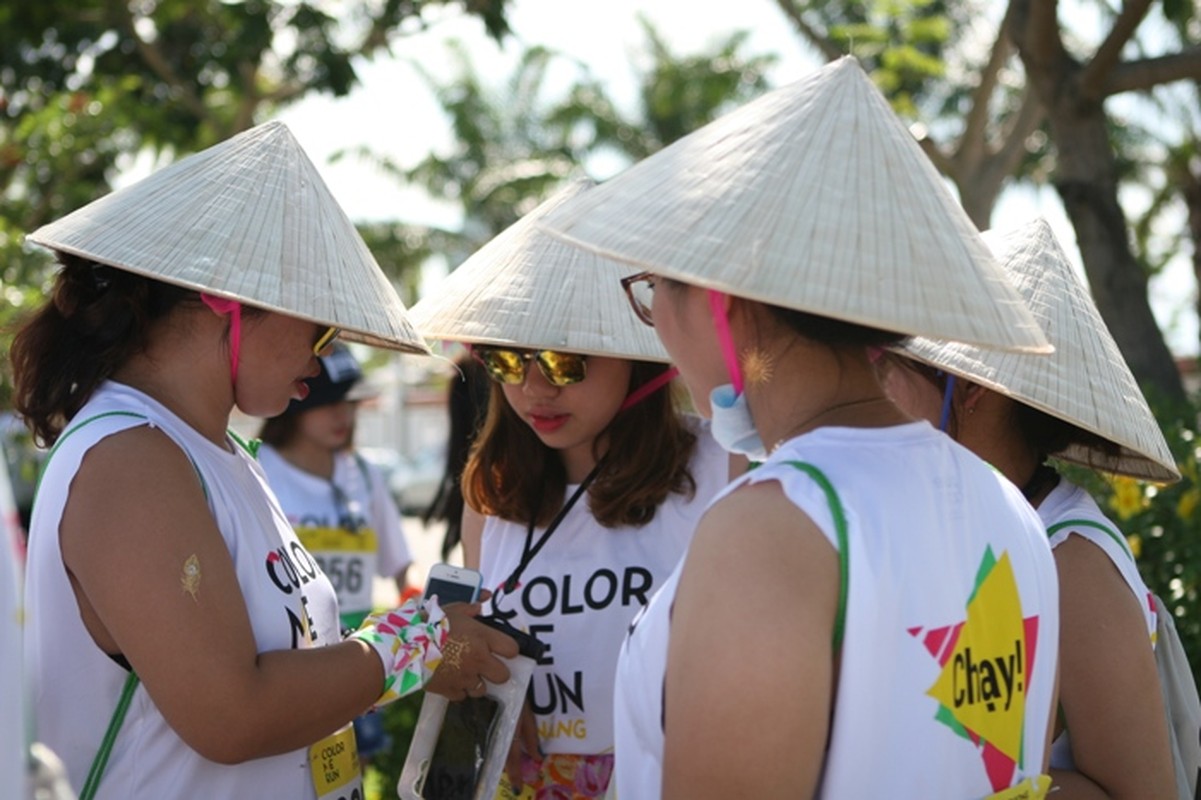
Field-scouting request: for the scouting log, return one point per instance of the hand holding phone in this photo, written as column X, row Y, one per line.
column 453, row 584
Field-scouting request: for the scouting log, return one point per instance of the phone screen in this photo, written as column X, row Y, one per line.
column 462, row 746
column 449, row 591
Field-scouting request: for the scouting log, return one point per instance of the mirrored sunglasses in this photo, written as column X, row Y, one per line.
column 509, row 366
column 325, row 340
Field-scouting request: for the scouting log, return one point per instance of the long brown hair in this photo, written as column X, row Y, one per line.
column 511, row 473
column 97, row 317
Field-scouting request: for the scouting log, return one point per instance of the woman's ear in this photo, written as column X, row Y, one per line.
column 972, row 394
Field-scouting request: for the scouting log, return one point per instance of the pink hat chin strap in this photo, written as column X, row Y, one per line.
column 718, row 308
column 233, row 308
column 650, row 387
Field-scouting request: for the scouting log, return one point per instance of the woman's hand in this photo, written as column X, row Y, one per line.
column 469, row 656
column 525, row 743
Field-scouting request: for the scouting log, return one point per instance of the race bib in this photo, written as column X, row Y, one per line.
column 334, row 762
column 348, row 559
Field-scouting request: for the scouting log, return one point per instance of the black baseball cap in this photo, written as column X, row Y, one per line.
column 341, row 378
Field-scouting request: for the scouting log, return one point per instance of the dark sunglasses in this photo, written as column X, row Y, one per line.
column 640, row 290
column 505, row 365
column 325, row 340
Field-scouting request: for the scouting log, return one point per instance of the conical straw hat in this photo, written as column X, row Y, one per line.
column 248, row 219
column 813, row 197
column 528, row 289
column 1085, row 381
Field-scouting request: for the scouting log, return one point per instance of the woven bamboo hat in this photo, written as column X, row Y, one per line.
column 1085, row 381
column 528, row 289
column 813, row 197
column 248, row 219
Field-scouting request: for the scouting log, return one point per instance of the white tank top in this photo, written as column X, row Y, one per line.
column 76, row 686
column 14, row 745
column 580, row 592
column 951, row 622
column 1070, row 511
column 350, row 524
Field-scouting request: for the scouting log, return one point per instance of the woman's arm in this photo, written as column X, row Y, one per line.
column 135, row 516
column 749, row 672
column 1109, row 686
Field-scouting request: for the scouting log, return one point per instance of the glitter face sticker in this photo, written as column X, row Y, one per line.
column 191, row 576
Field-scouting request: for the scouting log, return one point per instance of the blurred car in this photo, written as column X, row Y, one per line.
column 413, row 481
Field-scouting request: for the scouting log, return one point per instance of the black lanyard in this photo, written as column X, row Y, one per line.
column 531, row 548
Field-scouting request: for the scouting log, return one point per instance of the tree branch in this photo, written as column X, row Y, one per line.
column 244, row 118
column 827, row 47
column 1150, row 72
column 157, row 62
column 972, row 144
column 937, row 157
column 1034, row 27
column 1027, row 119
column 1096, row 73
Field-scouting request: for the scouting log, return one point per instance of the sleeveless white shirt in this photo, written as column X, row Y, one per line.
column 580, row 592
column 1069, row 503
column 350, row 524
column 14, row 744
column 76, row 686
column 951, row 622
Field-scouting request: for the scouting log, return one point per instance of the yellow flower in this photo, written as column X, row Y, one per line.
column 1128, row 498
column 1187, row 505
column 1136, row 545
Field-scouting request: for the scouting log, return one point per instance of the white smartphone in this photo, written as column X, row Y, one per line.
column 453, row 584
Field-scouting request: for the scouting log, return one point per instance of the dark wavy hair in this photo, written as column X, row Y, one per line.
column 511, row 474
column 97, row 317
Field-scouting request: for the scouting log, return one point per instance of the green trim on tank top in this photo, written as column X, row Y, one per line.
column 1088, row 523
column 67, row 433
column 840, row 531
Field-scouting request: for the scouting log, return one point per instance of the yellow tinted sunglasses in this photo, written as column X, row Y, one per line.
column 325, row 340
column 506, row 365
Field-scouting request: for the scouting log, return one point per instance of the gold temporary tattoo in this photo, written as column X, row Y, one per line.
column 191, row 575
column 757, row 366
column 453, row 652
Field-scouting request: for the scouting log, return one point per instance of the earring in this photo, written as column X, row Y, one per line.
column 758, row 366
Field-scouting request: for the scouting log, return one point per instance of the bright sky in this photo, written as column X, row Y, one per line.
column 393, row 112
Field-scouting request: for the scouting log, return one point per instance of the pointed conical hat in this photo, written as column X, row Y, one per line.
column 1085, row 381
column 249, row 219
column 528, row 289
column 813, row 197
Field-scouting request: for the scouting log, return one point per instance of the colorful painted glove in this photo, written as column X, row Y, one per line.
column 409, row 642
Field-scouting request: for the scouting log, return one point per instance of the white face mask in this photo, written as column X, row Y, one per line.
column 733, row 427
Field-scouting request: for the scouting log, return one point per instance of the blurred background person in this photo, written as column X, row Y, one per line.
column 467, row 402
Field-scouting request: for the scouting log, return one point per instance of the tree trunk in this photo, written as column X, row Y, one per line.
column 1085, row 177
column 1087, row 184
column 1190, row 188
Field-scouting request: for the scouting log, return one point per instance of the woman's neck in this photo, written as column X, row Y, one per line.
column 578, row 461
column 181, row 369
column 819, row 388
column 987, row 429
column 310, row 458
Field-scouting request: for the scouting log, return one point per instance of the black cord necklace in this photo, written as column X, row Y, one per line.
column 531, row 548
